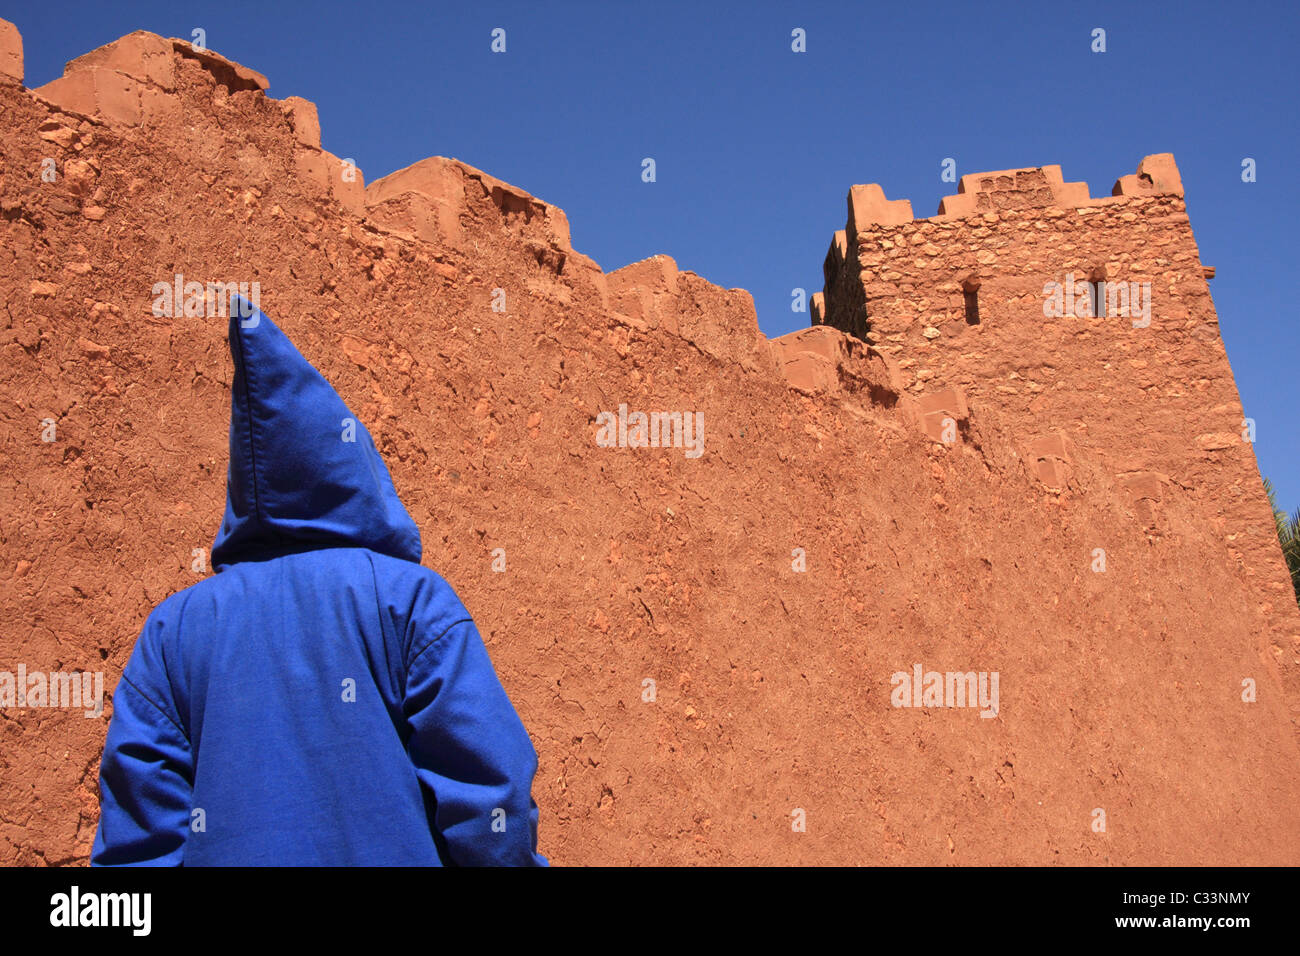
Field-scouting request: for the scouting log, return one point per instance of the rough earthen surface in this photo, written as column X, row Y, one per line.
column 969, row 548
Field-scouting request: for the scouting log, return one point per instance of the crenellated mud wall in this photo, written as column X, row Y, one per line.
column 703, row 649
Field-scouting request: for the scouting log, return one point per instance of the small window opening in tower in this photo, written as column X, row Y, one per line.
column 970, row 292
column 1097, row 297
column 1097, row 293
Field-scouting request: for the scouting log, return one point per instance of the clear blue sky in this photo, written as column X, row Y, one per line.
column 756, row 146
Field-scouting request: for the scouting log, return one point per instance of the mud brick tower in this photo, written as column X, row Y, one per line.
column 1144, row 405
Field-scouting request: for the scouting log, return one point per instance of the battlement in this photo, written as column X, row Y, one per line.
column 878, row 246
column 1032, row 187
column 135, row 81
column 141, row 80
column 11, row 54
column 874, row 222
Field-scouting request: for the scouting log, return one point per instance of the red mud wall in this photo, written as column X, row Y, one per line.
column 1119, row 690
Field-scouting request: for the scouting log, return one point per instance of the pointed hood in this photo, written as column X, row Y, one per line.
column 304, row 473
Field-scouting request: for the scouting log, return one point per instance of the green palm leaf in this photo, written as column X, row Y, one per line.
column 1288, row 536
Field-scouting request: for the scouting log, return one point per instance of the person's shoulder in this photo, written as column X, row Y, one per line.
column 387, row 566
column 166, row 636
column 430, row 595
column 172, row 607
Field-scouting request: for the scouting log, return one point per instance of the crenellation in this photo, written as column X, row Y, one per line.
column 868, row 207
column 134, row 80
column 11, row 54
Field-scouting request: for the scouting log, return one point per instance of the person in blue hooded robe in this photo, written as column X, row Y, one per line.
column 322, row 699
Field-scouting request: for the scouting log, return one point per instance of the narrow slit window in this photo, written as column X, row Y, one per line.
column 1097, row 293
column 972, row 306
column 1097, row 290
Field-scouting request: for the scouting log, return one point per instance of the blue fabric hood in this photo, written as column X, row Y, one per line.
column 304, row 472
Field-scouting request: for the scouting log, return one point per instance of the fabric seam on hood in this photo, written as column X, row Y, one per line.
column 252, row 423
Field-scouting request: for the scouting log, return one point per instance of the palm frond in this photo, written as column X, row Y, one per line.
column 1288, row 536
